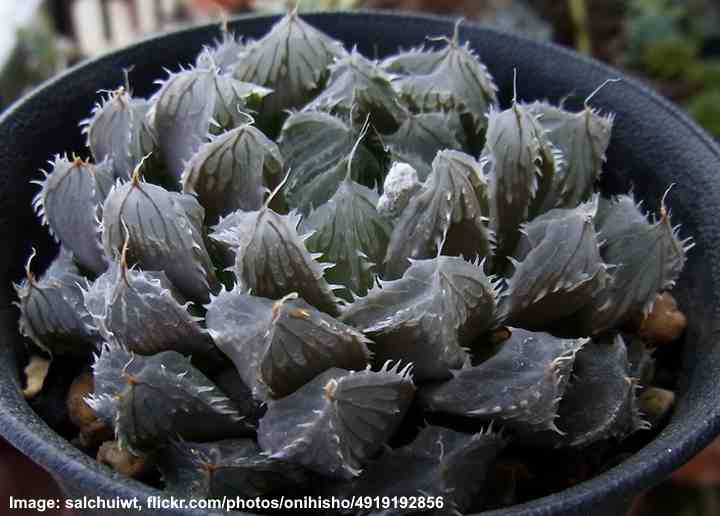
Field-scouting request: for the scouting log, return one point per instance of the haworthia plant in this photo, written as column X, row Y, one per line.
column 143, row 312
column 648, row 257
column 194, row 103
column 292, row 59
column 350, row 277
column 360, row 87
column 451, row 79
column 557, row 268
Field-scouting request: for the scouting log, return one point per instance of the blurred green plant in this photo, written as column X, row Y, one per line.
column 665, row 39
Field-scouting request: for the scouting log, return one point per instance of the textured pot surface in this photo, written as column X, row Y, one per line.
column 653, row 146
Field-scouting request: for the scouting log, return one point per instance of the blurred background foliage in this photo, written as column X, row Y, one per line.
column 674, row 45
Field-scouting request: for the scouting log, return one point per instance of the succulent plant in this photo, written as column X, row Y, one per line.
column 304, row 271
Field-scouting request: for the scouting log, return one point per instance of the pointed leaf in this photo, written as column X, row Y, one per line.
column 273, row 261
column 118, row 131
column 292, row 59
column 223, row 53
column 561, row 269
column 452, row 201
column 164, row 233
column 426, row 317
column 151, row 400
column 52, row 312
column 582, row 138
column 233, row 171
column 600, row 403
column 316, row 147
column 520, row 386
column 648, row 258
column 70, row 204
column 350, row 233
column 335, row 423
column 513, row 155
column 360, row 87
column 277, row 347
column 458, row 81
column 140, row 311
column 193, row 102
column 228, row 468
column 421, row 136
column 438, row 463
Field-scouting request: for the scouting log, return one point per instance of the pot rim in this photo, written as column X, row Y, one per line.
column 641, row 471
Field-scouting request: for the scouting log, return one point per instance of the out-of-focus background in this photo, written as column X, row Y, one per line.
column 672, row 45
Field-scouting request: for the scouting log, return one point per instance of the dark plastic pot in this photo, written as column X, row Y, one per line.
column 653, row 145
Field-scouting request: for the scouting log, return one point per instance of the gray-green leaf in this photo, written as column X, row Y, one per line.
column 350, row 233
column 452, row 204
column 70, row 204
column 152, row 400
column 428, row 315
column 165, row 234
column 233, row 171
column 278, row 346
column 337, row 422
column 520, row 386
column 316, row 147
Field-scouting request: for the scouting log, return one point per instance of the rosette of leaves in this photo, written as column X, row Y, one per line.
column 648, row 257
column 439, row 463
column 334, row 424
column 194, row 103
column 557, row 268
column 164, row 232
column 233, row 171
column 522, row 384
column 358, row 88
column 428, row 316
column 70, row 203
column 118, row 130
column 449, row 212
column 52, row 311
column 279, row 346
column 583, row 139
column 316, row 147
column 450, row 79
column 143, row 312
column 231, row 467
column 152, row 400
column 292, row 59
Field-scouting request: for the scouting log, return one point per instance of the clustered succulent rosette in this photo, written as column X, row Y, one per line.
column 291, row 255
